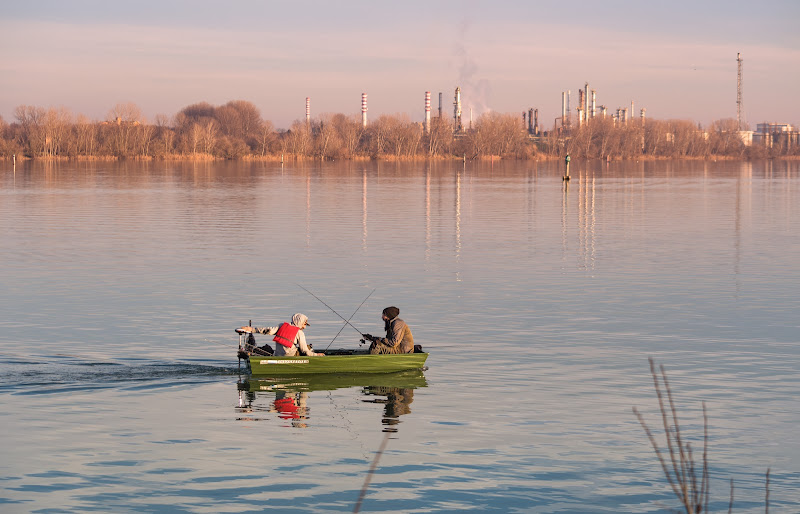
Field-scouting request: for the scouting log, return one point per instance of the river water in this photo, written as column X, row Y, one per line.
column 540, row 303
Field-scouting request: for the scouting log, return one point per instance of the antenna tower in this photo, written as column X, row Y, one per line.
column 739, row 117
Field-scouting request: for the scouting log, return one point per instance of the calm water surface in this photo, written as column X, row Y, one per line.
column 121, row 285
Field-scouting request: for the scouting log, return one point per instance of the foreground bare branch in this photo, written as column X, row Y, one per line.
column 681, row 471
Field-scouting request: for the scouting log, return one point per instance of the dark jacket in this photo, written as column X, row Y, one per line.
column 398, row 337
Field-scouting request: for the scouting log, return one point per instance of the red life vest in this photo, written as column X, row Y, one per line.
column 287, row 408
column 286, row 334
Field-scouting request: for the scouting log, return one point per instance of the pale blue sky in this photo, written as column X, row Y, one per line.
column 677, row 59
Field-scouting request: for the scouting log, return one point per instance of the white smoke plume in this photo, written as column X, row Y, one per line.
column 475, row 91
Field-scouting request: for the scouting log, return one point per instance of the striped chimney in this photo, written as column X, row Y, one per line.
column 308, row 110
column 364, row 109
column 427, row 111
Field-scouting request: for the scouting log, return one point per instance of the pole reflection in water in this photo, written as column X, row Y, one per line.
column 364, row 210
column 286, row 399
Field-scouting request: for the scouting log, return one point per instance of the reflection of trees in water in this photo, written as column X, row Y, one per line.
column 397, row 402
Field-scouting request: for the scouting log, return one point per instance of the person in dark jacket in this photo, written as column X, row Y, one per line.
column 398, row 336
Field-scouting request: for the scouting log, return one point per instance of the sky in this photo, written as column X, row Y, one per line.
column 677, row 59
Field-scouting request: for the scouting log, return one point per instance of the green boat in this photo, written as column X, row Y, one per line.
column 411, row 379
column 340, row 361
column 334, row 361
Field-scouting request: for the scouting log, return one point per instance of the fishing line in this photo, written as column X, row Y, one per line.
column 351, row 317
column 331, row 308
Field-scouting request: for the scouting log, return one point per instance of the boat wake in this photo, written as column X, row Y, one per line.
column 29, row 375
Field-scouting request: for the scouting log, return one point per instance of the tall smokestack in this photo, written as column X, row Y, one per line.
column 563, row 108
column 585, row 103
column 581, row 102
column 536, row 122
column 643, row 111
column 308, row 110
column 440, row 105
column 569, row 113
column 530, row 120
column 457, row 110
column 594, row 102
column 427, row 111
column 364, row 109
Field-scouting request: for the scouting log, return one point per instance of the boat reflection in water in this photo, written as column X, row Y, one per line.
column 287, row 397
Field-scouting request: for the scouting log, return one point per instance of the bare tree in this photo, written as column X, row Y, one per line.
column 351, row 131
column 267, row 138
column 31, row 121
column 195, row 137
column 440, row 136
column 298, row 139
column 123, row 119
column 208, row 136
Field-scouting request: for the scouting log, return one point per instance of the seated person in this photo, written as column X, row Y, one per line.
column 289, row 336
column 398, row 336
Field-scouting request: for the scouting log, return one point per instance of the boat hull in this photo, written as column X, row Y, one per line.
column 360, row 363
column 409, row 379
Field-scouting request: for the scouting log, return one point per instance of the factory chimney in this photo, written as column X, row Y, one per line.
column 530, row 120
column 308, row 111
column 457, row 111
column 594, row 103
column 536, row 122
column 563, row 108
column 581, row 102
column 585, row 103
column 427, row 111
column 739, row 115
column 440, row 105
column 364, row 110
column 643, row 110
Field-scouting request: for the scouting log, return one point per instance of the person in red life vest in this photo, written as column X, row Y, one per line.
column 289, row 337
column 398, row 336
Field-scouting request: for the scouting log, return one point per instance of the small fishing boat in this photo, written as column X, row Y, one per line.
column 410, row 379
column 334, row 361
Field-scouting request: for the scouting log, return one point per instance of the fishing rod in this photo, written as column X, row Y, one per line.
column 331, row 308
column 351, row 317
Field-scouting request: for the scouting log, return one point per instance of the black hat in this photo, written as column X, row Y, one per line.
column 391, row 312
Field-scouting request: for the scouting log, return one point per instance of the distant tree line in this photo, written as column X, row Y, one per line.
column 236, row 130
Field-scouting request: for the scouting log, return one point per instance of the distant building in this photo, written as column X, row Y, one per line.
column 771, row 128
column 747, row 137
column 769, row 134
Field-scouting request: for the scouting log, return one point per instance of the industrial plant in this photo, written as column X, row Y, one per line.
column 236, row 130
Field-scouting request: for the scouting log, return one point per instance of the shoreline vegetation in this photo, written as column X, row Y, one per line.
column 237, row 131
column 680, row 465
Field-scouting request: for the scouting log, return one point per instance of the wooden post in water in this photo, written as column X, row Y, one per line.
column 566, row 168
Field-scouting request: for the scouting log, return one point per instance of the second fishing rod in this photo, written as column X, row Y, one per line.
column 347, row 321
